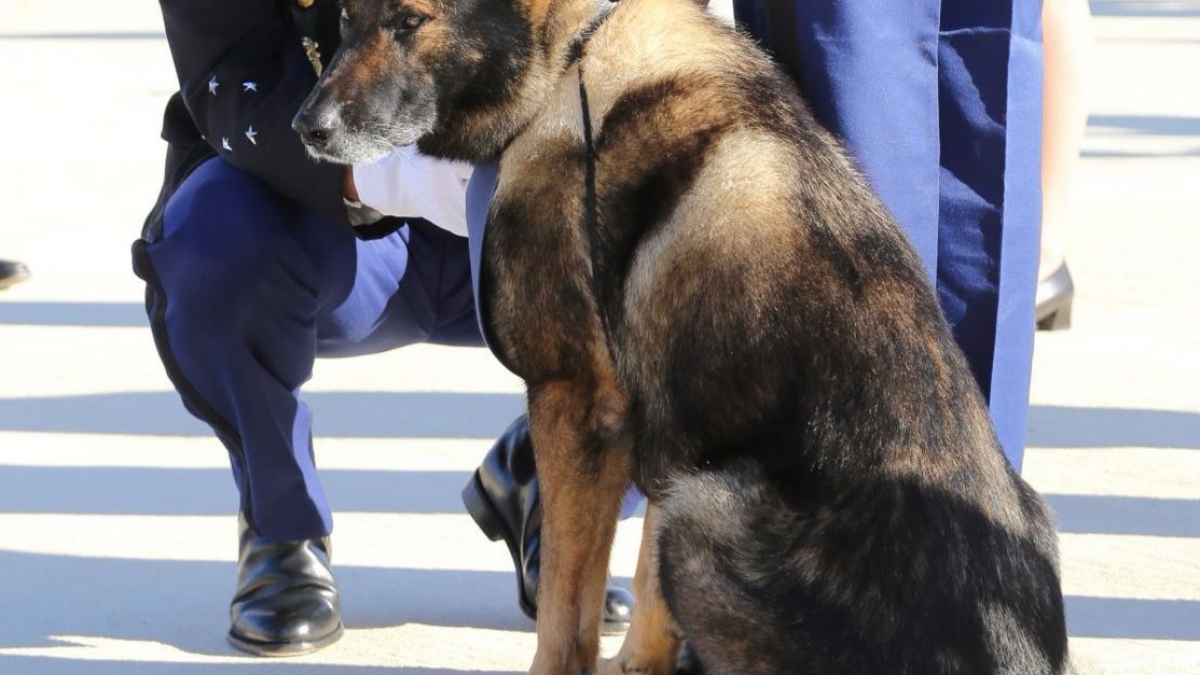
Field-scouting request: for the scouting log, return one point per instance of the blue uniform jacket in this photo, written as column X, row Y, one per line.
column 243, row 74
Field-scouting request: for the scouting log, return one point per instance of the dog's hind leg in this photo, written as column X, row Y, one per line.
column 711, row 540
column 653, row 639
column 583, row 469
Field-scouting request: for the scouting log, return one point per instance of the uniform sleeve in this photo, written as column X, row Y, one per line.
column 243, row 75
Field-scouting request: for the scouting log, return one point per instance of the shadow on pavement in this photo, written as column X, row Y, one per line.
column 1145, row 8
column 185, row 604
column 1063, row 427
column 351, row 414
column 1104, row 514
column 1148, row 125
column 1141, row 126
column 98, row 314
column 34, row 665
column 1132, row 618
column 1123, row 154
column 338, row 414
column 211, row 492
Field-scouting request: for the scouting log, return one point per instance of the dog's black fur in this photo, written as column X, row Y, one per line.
column 752, row 339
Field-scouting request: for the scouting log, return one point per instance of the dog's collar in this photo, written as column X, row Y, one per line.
column 575, row 51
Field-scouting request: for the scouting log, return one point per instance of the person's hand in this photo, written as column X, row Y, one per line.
column 407, row 184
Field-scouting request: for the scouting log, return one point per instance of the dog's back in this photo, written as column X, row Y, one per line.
column 838, row 502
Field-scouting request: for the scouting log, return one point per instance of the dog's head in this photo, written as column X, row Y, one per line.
column 410, row 70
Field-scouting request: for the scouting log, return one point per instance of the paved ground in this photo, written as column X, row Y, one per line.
column 116, row 533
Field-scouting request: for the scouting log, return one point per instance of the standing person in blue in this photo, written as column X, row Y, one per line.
column 940, row 102
column 257, row 260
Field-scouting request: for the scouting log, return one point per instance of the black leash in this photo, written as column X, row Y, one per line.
column 590, row 208
column 590, row 205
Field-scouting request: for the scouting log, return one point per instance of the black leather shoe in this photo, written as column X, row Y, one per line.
column 12, row 272
column 286, row 602
column 502, row 498
column 1055, row 294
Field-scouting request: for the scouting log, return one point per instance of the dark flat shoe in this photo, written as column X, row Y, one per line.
column 1055, row 294
column 286, row 602
column 12, row 273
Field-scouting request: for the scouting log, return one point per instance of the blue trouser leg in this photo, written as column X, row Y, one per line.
column 245, row 289
column 990, row 74
column 939, row 101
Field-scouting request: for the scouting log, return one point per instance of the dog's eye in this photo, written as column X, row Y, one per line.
column 412, row 22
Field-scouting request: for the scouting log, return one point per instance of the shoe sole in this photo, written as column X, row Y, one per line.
column 1055, row 315
column 283, row 649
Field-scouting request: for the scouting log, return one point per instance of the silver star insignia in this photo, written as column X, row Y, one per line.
column 250, row 134
column 225, row 144
column 250, row 86
column 212, row 85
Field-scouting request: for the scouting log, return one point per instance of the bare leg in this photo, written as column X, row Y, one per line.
column 1066, row 26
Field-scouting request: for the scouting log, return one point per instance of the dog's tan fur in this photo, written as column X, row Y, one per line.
column 654, row 637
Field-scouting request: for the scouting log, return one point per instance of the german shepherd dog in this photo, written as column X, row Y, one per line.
column 702, row 294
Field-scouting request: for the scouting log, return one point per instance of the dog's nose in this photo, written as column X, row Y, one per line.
column 316, row 128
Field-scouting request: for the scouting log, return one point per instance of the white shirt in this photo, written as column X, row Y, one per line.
column 407, row 184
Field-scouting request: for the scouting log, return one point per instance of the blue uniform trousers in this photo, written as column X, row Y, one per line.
column 940, row 103
column 246, row 289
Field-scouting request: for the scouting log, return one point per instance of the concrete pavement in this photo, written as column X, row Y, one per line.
column 117, row 538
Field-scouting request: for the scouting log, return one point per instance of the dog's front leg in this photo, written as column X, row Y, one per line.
column 653, row 640
column 583, row 469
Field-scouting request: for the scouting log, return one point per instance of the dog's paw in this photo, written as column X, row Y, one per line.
column 575, row 668
column 631, row 665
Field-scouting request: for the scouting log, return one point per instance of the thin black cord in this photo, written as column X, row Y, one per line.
column 590, row 206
